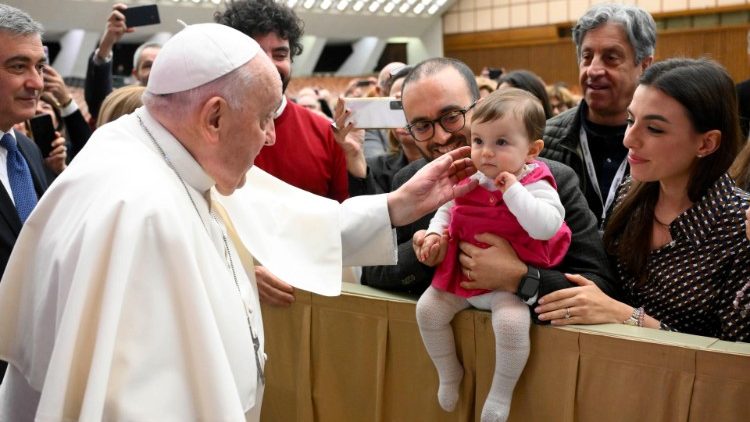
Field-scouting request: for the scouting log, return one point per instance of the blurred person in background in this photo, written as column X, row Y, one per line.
column 71, row 122
column 486, row 86
column 120, row 102
column 308, row 98
column 99, row 70
column 560, row 99
column 360, row 87
column 530, row 82
column 740, row 170
column 57, row 159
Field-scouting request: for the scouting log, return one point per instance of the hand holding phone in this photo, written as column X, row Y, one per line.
column 141, row 15
column 376, row 112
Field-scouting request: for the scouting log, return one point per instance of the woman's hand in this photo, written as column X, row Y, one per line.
column 350, row 139
column 58, row 156
column 585, row 304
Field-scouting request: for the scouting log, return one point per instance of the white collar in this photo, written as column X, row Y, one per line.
column 489, row 184
column 11, row 132
column 282, row 107
column 189, row 169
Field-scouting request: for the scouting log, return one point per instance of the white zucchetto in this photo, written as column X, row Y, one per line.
column 198, row 55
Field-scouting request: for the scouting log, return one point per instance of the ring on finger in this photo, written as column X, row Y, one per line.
column 567, row 313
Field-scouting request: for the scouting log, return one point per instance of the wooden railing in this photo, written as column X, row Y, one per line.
column 359, row 357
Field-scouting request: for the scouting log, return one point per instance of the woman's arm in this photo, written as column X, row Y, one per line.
column 587, row 304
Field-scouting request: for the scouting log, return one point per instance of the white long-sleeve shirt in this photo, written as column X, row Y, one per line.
column 537, row 207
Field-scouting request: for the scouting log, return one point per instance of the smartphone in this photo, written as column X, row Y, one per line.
column 376, row 112
column 43, row 132
column 141, row 15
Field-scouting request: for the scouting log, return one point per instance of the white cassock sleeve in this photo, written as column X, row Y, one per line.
column 305, row 239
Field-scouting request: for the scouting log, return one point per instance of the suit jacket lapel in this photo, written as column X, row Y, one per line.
column 7, row 208
column 8, row 211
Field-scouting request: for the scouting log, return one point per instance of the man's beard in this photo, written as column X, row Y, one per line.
column 285, row 82
column 456, row 140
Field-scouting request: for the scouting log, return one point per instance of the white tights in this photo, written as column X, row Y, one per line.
column 510, row 323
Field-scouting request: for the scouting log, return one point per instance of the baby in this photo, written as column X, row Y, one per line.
column 516, row 199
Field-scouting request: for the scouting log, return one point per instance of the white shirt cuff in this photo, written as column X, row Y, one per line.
column 69, row 109
column 99, row 60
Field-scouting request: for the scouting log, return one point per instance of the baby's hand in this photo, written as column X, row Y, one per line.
column 504, row 181
column 433, row 249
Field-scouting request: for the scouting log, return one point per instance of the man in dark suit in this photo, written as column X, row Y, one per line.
column 22, row 61
column 439, row 91
column 21, row 81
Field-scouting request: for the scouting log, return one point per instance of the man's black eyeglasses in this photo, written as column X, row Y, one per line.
column 452, row 121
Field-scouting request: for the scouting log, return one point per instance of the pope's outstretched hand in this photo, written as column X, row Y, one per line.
column 432, row 186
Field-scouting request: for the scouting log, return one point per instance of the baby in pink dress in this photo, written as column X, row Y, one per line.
column 516, row 199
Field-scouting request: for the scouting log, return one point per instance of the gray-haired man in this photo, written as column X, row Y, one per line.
column 614, row 45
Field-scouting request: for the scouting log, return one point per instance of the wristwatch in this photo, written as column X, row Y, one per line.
column 529, row 285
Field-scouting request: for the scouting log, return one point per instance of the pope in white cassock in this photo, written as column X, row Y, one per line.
column 130, row 293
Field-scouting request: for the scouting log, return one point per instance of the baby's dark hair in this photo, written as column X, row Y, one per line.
column 512, row 100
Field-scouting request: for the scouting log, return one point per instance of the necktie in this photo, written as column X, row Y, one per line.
column 19, row 175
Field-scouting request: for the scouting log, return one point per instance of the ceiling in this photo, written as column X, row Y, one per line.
column 58, row 16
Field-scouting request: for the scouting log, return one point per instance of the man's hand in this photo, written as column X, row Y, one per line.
column 496, row 267
column 432, row 186
column 116, row 28
column 58, row 155
column 350, row 139
column 55, row 86
column 271, row 289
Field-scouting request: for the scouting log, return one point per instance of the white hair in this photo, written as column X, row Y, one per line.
column 231, row 87
column 139, row 52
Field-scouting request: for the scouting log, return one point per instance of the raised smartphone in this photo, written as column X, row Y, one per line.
column 141, row 15
column 376, row 112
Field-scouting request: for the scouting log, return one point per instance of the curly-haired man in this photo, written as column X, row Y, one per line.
column 306, row 154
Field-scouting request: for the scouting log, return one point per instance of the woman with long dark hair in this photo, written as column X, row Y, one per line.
column 677, row 234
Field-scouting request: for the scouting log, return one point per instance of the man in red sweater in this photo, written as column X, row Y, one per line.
column 306, row 154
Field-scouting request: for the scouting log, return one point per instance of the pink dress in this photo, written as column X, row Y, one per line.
column 483, row 211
